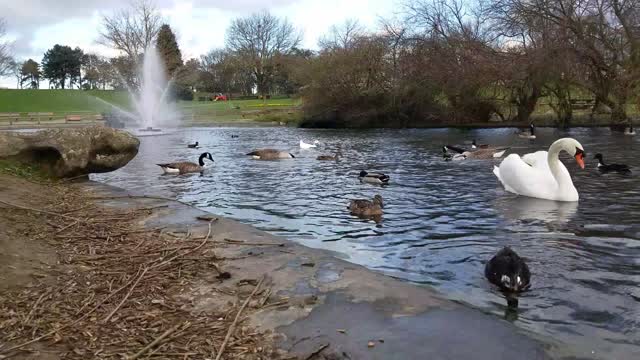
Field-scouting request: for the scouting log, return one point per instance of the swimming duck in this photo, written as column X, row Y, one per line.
column 508, row 271
column 184, row 167
column 620, row 168
column 488, row 153
column 335, row 157
column 475, row 145
column 528, row 134
column 270, row 154
column 366, row 207
column 629, row 131
column 304, row 145
column 373, row 178
column 194, row 145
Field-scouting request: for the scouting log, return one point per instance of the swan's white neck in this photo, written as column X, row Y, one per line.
column 560, row 173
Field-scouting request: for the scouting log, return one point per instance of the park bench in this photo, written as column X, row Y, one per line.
column 73, row 118
column 40, row 115
column 11, row 117
column 582, row 104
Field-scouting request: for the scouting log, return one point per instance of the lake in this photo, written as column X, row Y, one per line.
column 442, row 221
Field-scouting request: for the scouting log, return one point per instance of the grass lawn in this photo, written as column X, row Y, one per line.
column 64, row 102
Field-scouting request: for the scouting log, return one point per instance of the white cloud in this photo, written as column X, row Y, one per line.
column 200, row 25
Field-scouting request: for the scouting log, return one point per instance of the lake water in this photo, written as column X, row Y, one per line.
column 442, row 220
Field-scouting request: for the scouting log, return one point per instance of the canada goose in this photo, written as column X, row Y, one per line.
column 475, row 145
column 620, row 168
column 184, row 167
column 335, row 157
column 270, row 154
column 508, row 271
column 373, row 178
column 194, row 146
column 366, row 207
column 629, row 130
column 530, row 134
column 304, row 145
column 488, row 153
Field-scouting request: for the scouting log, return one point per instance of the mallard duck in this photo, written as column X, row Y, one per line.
column 488, row 153
column 528, row 134
column 304, row 145
column 335, row 157
column 373, row 178
column 270, row 154
column 620, row 168
column 184, row 167
column 629, row 131
column 366, row 207
column 508, row 271
column 194, row 145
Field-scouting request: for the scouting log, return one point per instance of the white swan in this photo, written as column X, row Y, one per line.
column 304, row 145
column 541, row 174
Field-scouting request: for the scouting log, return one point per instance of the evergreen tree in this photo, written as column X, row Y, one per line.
column 30, row 72
column 60, row 63
column 169, row 51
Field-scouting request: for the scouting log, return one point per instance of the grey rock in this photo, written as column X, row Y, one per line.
column 71, row 152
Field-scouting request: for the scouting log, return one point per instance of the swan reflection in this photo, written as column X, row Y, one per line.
column 526, row 208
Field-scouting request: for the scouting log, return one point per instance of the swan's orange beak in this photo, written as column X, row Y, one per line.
column 580, row 159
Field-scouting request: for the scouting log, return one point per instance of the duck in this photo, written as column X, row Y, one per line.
column 475, row 145
column 234, row 136
column 335, row 157
column 620, row 168
column 488, row 153
column 366, row 207
column 629, row 130
column 184, row 167
column 528, row 134
column 541, row 174
column 508, row 271
column 373, row 178
column 304, row 145
column 270, row 154
column 194, row 145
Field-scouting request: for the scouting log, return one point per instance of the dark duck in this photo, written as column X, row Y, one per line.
column 620, row 168
column 509, row 272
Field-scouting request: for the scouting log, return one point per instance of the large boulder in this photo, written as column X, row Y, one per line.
column 71, row 152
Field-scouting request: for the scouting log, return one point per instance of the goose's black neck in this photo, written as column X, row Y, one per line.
column 201, row 159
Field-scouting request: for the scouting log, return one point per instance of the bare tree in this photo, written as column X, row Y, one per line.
column 6, row 60
column 258, row 40
column 132, row 30
column 343, row 35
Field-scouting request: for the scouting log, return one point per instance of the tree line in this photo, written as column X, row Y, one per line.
column 445, row 61
column 438, row 61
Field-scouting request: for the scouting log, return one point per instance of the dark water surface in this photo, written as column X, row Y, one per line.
column 442, row 220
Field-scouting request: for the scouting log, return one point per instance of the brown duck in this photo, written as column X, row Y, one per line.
column 367, row 207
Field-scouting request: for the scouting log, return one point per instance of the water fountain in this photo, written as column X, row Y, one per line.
column 153, row 111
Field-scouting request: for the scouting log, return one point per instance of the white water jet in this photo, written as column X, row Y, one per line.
column 150, row 102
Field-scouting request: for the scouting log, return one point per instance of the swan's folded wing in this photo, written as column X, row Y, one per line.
column 521, row 178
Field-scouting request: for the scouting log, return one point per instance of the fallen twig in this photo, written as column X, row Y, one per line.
column 35, row 305
column 126, row 296
column 242, row 242
column 235, row 321
column 154, row 342
column 37, row 210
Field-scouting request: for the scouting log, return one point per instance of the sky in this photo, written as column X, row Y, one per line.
column 200, row 25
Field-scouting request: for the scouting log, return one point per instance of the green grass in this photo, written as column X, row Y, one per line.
column 60, row 101
column 64, row 102
column 25, row 171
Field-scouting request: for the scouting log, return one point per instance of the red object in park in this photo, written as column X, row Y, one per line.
column 220, row 98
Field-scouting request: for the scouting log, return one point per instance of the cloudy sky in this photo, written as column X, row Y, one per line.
column 37, row 25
